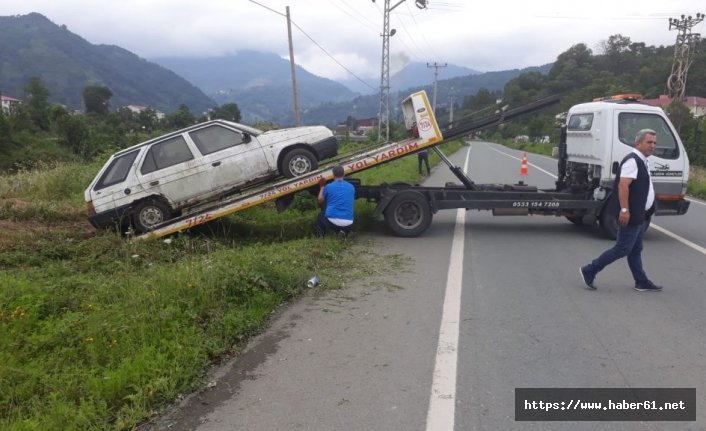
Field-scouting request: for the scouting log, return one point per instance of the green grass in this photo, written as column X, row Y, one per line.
column 697, row 182
column 98, row 333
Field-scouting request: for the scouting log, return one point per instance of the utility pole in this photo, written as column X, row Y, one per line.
column 297, row 118
column 683, row 48
column 384, row 112
column 436, row 67
column 451, row 111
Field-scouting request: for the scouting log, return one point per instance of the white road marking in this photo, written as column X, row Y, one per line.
column 696, row 201
column 671, row 234
column 442, row 403
column 682, row 240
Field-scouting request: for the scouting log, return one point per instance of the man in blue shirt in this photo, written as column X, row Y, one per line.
column 338, row 198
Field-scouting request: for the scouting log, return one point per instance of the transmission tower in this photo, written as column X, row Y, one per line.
column 384, row 112
column 683, row 48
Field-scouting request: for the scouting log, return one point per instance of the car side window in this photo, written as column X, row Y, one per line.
column 117, row 171
column 215, row 138
column 629, row 123
column 166, row 153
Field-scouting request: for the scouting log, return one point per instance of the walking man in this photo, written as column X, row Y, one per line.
column 634, row 193
column 337, row 200
column 423, row 156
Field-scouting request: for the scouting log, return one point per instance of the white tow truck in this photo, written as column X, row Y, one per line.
column 595, row 137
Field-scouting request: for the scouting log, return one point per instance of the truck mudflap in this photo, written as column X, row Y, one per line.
column 672, row 207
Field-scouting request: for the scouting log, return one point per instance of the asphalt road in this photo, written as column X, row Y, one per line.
column 373, row 356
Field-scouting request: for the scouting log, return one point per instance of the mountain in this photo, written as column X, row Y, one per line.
column 458, row 87
column 32, row 45
column 419, row 74
column 260, row 83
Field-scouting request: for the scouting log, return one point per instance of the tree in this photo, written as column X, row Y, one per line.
column 229, row 111
column 96, row 99
column 181, row 118
column 36, row 103
column 74, row 134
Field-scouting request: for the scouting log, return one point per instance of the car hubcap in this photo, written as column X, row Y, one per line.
column 299, row 165
column 151, row 216
column 408, row 215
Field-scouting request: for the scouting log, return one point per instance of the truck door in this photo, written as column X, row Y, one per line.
column 669, row 163
column 232, row 157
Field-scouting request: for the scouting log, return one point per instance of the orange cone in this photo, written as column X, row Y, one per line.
column 523, row 165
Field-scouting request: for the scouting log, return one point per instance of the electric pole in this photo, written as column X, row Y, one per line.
column 436, row 67
column 297, row 118
column 683, row 48
column 451, row 111
column 384, row 112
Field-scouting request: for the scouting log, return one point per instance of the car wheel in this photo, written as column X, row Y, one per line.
column 148, row 214
column 298, row 162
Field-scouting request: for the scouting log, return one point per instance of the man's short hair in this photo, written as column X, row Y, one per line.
column 338, row 171
column 642, row 133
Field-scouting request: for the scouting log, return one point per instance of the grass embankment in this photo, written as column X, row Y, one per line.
column 98, row 333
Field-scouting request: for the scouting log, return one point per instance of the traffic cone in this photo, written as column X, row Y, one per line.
column 523, row 165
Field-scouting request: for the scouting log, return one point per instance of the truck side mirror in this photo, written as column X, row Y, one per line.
column 246, row 138
column 615, row 168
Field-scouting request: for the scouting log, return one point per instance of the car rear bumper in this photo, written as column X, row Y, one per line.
column 326, row 148
column 109, row 218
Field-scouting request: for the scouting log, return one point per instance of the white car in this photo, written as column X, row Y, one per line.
column 156, row 180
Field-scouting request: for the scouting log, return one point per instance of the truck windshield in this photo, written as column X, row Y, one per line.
column 629, row 123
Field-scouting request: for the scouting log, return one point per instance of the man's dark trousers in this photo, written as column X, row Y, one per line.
column 628, row 243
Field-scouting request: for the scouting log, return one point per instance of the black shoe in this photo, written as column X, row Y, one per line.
column 587, row 277
column 648, row 286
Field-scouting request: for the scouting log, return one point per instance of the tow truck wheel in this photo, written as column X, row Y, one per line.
column 577, row 220
column 148, row 214
column 408, row 214
column 298, row 162
column 609, row 224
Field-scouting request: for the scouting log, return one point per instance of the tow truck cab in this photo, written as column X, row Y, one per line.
column 601, row 133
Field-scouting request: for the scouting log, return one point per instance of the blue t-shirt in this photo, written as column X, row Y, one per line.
column 339, row 196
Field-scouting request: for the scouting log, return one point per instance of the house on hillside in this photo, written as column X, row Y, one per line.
column 136, row 109
column 8, row 102
column 697, row 105
column 365, row 125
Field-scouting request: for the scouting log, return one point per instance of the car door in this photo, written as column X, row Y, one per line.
column 233, row 157
column 171, row 169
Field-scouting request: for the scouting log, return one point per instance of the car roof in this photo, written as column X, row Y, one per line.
column 251, row 130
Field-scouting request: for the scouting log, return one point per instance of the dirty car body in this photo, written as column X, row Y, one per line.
column 156, row 180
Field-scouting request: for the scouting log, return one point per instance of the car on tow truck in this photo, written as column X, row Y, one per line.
column 156, row 180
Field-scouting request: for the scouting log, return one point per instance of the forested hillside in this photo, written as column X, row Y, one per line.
column 32, row 45
column 580, row 75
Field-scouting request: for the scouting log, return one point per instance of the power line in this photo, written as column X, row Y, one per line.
column 316, row 43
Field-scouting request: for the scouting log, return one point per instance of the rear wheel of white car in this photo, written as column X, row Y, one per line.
column 298, row 162
column 148, row 214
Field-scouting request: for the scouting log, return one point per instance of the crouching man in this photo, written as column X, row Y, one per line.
column 336, row 200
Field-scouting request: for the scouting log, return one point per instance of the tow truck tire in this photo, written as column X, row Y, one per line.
column 408, row 214
column 577, row 220
column 149, row 213
column 298, row 162
column 609, row 225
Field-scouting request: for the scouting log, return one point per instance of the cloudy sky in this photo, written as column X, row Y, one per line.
column 483, row 35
